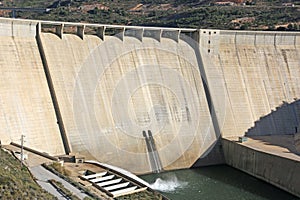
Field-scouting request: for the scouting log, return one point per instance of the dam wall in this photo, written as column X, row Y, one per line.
column 111, row 91
column 249, row 75
column 159, row 97
column 25, row 103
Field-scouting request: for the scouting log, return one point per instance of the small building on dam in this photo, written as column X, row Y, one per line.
column 148, row 98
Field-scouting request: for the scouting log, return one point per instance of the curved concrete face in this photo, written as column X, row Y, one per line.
column 147, row 99
column 25, row 102
column 260, row 71
column 113, row 90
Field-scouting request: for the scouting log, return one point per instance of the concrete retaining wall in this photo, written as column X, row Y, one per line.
column 279, row 171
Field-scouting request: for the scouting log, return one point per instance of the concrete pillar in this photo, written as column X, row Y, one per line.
column 59, row 30
column 80, row 31
column 101, row 32
column 134, row 32
column 121, row 36
column 156, row 34
column 38, row 28
column 196, row 36
column 174, row 35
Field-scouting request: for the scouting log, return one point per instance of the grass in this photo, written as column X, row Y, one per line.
column 56, row 169
column 141, row 195
column 16, row 182
column 59, row 168
column 60, row 187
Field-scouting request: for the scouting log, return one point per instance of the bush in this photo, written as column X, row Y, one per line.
column 58, row 167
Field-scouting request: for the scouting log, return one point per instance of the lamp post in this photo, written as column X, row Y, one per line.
column 22, row 144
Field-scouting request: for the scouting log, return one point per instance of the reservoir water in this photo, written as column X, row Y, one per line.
column 214, row 183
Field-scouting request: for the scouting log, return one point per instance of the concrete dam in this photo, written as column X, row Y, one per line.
column 142, row 98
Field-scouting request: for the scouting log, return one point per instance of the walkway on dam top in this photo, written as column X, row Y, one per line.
column 280, row 145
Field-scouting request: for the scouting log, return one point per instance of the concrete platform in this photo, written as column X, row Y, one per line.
column 280, row 145
column 270, row 158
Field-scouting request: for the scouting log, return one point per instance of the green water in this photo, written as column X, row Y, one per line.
column 214, row 183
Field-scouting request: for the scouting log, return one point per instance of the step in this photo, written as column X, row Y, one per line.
column 104, row 178
column 105, row 183
column 117, row 186
column 126, row 190
column 87, row 177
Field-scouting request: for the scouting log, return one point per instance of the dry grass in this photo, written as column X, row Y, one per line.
column 16, row 182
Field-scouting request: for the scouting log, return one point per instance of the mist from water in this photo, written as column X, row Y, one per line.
column 168, row 184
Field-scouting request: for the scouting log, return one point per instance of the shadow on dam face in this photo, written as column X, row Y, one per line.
column 106, row 90
column 280, row 127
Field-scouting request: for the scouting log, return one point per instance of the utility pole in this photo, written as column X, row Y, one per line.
column 22, row 144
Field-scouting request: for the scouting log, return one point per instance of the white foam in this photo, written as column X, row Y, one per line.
column 168, row 185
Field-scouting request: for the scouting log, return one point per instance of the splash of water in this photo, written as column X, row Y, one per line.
column 169, row 184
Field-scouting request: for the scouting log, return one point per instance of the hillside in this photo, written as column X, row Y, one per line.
column 16, row 183
column 233, row 14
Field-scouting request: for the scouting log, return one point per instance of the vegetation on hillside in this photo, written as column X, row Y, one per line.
column 16, row 182
column 240, row 14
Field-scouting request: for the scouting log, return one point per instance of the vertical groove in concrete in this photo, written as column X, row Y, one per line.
column 244, row 78
column 155, row 153
column 151, row 159
column 154, row 158
column 206, row 87
column 52, row 91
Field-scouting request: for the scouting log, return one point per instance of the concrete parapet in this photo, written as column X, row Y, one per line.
column 228, row 37
column 265, row 39
column 245, row 38
column 17, row 28
column 288, row 39
column 156, row 32
column 297, row 40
